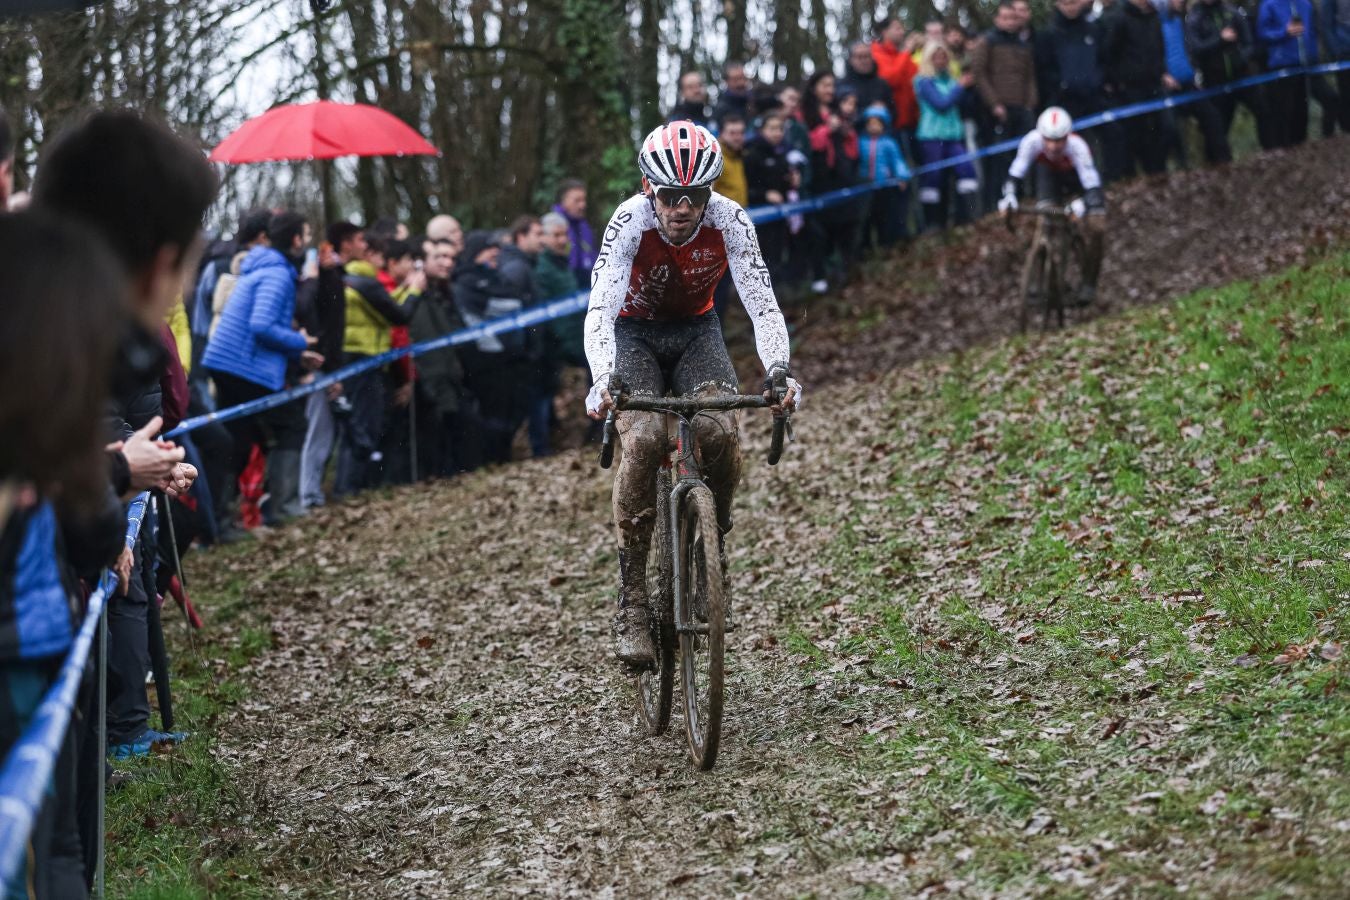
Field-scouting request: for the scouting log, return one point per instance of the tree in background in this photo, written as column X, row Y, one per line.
column 517, row 94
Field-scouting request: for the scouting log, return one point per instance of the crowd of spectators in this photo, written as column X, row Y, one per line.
column 169, row 325
column 910, row 98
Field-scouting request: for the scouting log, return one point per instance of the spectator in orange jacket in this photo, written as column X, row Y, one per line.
column 896, row 66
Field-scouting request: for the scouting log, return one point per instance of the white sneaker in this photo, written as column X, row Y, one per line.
column 820, row 286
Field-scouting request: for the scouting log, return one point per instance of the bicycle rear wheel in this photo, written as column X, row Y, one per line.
column 1055, row 290
column 701, row 642
column 1033, row 284
column 656, row 685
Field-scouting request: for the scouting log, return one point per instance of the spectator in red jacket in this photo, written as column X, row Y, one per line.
column 896, row 66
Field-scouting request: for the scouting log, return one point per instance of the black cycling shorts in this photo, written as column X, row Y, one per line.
column 1057, row 185
column 680, row 357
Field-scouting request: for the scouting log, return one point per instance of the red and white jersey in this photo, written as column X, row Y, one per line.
column 639, row 273
column 1077, row 156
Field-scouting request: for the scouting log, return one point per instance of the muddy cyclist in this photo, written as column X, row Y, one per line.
column 1062, row 163
column 651, row 327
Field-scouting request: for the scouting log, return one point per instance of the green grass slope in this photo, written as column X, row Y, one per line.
column 1111, row 573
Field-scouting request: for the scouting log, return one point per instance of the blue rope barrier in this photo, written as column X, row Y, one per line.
column 28, row 768
column 760, row 215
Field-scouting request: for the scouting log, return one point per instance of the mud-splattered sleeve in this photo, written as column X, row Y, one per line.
column 609, row 285
column 1027, row 151
column 753, row 283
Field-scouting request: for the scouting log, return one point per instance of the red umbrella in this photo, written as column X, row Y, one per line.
column 322, row 130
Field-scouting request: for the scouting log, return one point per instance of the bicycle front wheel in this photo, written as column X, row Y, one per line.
column 1033, row 285
column 701, row 619
column 656, row 685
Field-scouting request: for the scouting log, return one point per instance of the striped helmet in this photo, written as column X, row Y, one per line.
column 680, row 154
column 1054, row 124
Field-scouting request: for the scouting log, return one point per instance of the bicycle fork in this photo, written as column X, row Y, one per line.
column 687, row 478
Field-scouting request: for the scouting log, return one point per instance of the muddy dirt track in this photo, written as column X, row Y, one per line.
column 438, row 714
column 1167, row 236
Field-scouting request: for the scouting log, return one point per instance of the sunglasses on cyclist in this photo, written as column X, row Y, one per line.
column 672, row 197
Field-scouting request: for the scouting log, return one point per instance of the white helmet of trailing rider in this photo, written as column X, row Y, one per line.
column 1054, row 124
column 680, row 154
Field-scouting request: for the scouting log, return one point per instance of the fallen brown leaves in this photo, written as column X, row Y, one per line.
column 438, row 714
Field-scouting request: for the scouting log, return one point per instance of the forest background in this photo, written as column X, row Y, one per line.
column 516, row 94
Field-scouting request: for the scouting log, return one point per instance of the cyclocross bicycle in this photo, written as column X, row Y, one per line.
column 1045, row 279
column 686, row 570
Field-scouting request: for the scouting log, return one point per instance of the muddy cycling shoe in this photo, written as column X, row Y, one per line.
column 633, row 642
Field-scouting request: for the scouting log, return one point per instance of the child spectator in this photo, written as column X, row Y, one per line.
column 941, row 135
column 881, row 161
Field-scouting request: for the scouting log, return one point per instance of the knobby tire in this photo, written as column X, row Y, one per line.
column 1033, row 282
column 656, row 685
column 701, row 656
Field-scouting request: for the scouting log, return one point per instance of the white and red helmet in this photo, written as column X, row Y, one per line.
column 680, row 154
column 1054, row 124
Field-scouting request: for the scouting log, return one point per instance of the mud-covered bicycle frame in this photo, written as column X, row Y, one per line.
column 688, row 495
column 1056, row 242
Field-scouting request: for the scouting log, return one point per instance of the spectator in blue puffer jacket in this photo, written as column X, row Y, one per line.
column 1288, row 30
column 879, row 159
column 248, row 358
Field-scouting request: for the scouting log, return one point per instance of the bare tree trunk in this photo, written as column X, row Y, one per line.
column 648, row 78
column 735, row 12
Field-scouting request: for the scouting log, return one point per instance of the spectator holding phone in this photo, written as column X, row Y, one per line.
column 1288, row 30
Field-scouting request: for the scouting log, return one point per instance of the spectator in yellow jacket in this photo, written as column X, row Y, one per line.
column 732, row 183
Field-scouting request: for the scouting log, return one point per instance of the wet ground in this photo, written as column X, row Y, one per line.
column 438, row 714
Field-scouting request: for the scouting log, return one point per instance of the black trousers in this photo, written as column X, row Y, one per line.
column 280, row 432
column 129, row 653
column 1145, row 136
column 1257, row 102
column 1289, row 110
column 1206, row 117
column 1016, row 124
column 359, row 433
column 1343, row 89
column 1333, row 105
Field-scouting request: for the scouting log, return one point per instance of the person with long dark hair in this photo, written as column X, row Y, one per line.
column 817, row 99
column 63, row 292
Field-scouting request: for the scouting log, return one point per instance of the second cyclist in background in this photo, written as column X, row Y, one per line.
column 1063, row 167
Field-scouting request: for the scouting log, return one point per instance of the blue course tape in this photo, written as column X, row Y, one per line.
column 760, row 215
column 27, row 769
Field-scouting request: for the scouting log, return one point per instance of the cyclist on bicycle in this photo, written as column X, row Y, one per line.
column 1063, row 166
column 651, row 328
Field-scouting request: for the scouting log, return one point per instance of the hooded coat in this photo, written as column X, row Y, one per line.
column 255, row 340
column 897, row 68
